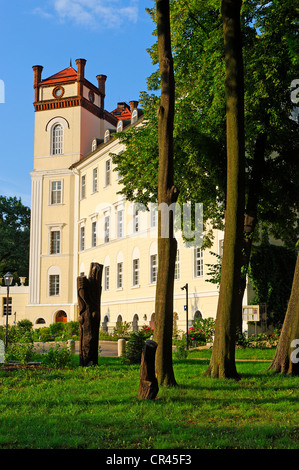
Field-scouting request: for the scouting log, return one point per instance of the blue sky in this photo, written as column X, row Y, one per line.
column 112, row 35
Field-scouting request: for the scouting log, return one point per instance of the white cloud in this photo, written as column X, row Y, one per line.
column 92, row 13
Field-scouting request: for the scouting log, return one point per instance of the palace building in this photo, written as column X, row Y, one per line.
column 77, row 216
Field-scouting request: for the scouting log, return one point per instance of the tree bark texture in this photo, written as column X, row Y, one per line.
column 251, row 215
column 148, row 385
column 89, row 300
column 286, row 359
column 167, row 194
column 222, row 362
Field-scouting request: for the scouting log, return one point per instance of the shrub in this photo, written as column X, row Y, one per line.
column 134, row 347
column 58, row 356
column 181, row 350
column 20, row 346
column 122, row 329
column 146, row 331
column 57, row 329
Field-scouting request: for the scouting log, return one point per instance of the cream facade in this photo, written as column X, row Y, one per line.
column 77, row 216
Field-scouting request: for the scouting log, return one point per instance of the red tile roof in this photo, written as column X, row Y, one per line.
column 67, row 75
column 122, row 113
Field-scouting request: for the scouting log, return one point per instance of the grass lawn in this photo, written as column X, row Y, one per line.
column 98, row 408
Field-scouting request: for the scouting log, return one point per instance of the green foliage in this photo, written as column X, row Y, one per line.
column 270, row 49
column 181, row 351
column 14, row 235
column 58, row 356
column 122, row 329
column 20, row 342
column 271, row 274
column 134, row 347
column 202, row 330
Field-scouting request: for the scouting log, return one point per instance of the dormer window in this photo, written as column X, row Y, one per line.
column 57, row 139
column 94, row 145
column 119, row 126
column 134, row 116
column 107, row 136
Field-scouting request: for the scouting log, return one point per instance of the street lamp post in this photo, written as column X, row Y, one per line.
column 185, row 287
column 8, row 278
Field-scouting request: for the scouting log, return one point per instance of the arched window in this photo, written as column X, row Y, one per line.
column 107, row 136
column 135, row 322
column 119, row 126
column 134, row 116
column 57, row 139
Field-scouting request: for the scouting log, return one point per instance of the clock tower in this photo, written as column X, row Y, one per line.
column 69, row 114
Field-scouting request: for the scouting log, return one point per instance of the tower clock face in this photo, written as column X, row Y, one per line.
column 58, row 92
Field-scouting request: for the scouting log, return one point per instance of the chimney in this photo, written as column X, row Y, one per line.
column 37, row 69
column 80, row 75
column 101, row 86
column 133, row 105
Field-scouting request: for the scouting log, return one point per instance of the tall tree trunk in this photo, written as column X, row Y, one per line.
column 167, row 194
column 251, row 217
column 89, row 300
column 222, row 362
column 286, row 359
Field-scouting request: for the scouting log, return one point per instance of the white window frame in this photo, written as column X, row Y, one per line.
column 120, row 271
column 95, row 182
column 83, row 186
column 54, row 245
column 82, row 237
column 134, row 116
column 136, row 219
column 93, row 233
column 120, row 126
column 154, row 215
column 198, row 262
column 57, row 141
column 55, row 192
column 153, row 268
column 106, row 228
column 108, row 172
column 56, row 286
column 106, row 136
column 135, row 272
column 106, row 278
column 120, row 223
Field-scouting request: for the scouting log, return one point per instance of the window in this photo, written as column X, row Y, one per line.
column 154, row 268
column 119, row 275
column 94, row 145
column 120, row 224
column 82, row 238
column 108, row 172
column 134, row 116
column 177, row 269
column 57, row 139
column 136, row 220
column 119, row 126
column 94, row 180
column 55, row 242
column 107, row 136
column 221, row 247
column 56, row 192
column 107, row 277
column 4, row 308
column 94, row 234
column 135, row 272
column 83, row 186
column 54, row 284
column 198, row 262
column 107, row 229
column 154, row 215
